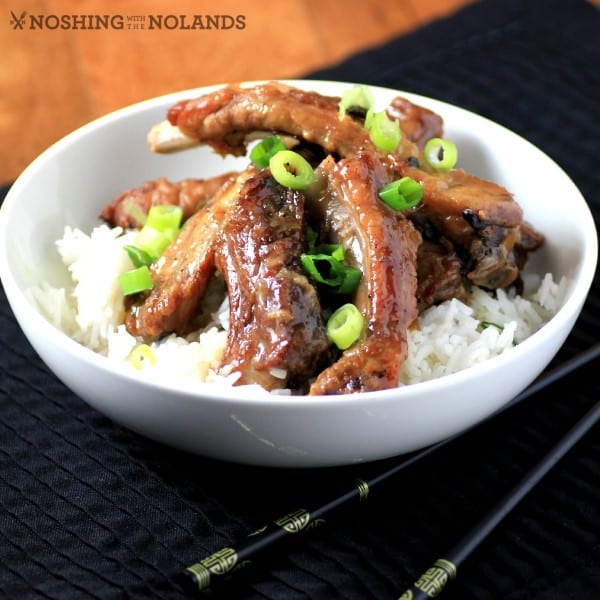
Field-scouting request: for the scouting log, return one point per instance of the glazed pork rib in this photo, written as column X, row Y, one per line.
column 478, row 216
column 182, row 274
column 276, row 331
column 223, row 120
column 384, row 244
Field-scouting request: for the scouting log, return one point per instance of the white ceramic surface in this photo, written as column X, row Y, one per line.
column 71, row 181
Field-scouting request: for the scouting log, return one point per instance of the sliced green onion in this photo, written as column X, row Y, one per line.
column 350, row 279
column 152, row 241
column 165, row 217
column 345, row 326
column 134, row 211
column 136, row 280
column 402, row 194
column 486, row 324
column 141, row 354
column 161, row 228
column 310, row 263
column 324, row 264
column 336, row 251
column 138, row 257
column 291, row 170
column 344, row 279
column 356, row 99
column 440, row 154
column 385, row 132
column 262, row 153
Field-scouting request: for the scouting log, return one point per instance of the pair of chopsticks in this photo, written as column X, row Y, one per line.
column 227, row 562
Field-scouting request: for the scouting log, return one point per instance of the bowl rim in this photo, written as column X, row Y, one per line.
column 206, row 392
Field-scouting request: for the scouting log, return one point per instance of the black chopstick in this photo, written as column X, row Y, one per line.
column 433, row 581
column 229, row 561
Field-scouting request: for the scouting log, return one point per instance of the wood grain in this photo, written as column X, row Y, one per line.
column 54, row 80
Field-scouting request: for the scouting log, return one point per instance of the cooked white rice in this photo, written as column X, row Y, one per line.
column 449, row 337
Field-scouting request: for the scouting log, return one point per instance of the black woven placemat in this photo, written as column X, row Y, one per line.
column 91, row 510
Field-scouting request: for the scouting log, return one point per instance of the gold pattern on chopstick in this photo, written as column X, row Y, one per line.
column 295, row 521
column 363, row 489
column 433, row 581
column 219, row 563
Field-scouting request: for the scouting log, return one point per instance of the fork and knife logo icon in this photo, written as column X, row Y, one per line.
column 18, row 22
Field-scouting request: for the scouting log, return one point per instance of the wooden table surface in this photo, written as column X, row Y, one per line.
column 56, row 73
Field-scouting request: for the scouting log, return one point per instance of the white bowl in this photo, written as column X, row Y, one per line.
column 71, row 181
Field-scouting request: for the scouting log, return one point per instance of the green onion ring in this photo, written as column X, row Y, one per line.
column 139, row 355
column 440, row 154
column 164, row 217
column 402, row 194
column 356, row 99
column 291, row 170
column 343, row 279
column 345, row 326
